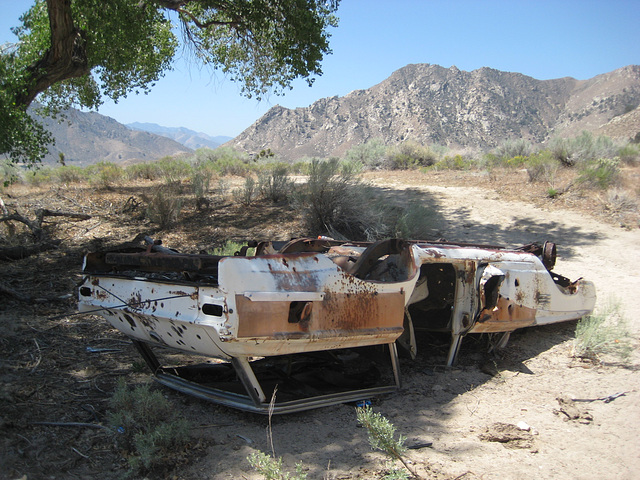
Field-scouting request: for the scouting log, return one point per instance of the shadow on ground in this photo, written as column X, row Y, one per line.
column 48, row 373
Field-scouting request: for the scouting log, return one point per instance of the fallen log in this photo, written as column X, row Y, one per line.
column 43, row 212
column 23, row 251
column 36, row 225
column 25, row 298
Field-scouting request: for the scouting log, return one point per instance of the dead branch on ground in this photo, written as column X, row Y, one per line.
column 24, row 298
column 42, row 243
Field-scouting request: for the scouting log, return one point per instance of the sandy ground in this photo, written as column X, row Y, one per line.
column 47, row 374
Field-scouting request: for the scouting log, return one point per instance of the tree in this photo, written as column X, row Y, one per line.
column 76, row 52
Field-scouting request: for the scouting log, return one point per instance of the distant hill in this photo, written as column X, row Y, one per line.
column 186, row 137
column 88, row 137
column 430, row 104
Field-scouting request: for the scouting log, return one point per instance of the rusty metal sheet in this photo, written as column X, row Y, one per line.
column 506, row 316
column 339, row 314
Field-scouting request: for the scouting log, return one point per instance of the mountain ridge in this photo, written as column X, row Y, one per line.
column 431, row 104
column 85, row 138
column 189, row 138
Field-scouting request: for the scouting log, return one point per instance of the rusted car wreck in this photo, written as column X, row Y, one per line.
column 260, row 314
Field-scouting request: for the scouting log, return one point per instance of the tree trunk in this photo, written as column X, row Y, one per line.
column 66, row 58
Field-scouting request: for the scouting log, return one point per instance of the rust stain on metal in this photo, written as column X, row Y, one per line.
column 504, row 317
column 295, row 277
column 348, row 312
column 432, row 252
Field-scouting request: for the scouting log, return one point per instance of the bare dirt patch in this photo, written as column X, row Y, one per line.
column 58, row 370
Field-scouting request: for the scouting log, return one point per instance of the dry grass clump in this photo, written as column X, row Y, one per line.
column 164, row 207
column 603, row 334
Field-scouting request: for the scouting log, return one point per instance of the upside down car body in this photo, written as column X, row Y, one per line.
column 318, row 297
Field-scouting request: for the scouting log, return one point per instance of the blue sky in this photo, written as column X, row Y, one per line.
column 541, row 38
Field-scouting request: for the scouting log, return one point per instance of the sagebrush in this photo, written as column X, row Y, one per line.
column 381, row 434
column 146, row 426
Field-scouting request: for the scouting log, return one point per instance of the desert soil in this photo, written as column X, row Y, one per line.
column 62, row 368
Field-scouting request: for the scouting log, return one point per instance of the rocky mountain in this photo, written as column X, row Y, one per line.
column 189, row 138
column 430, row 104
column 88, row 137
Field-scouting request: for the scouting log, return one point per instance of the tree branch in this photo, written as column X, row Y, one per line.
column 35, row 227
column 205, row 25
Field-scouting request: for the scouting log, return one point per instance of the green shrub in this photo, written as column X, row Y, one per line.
column 416, row 222
column 229, row 249
column 164, row 207
column 173, row 169
column 223, row 161
column 514, row 148
column 542, row 167
column 601, row 173
column 370, row 154
column 629, row 154
column 562, row 151
column 69, row 174
column 223, row 187
column 200, row 181
column 603, row 333
column 205, row 155
column 147, row 427
column 582, row 149
column 271, row 468
column 38, row 176
column 144, row 171
column 9, row 173
column 104, row 175
column 246, row 194
column 409, row 155
column 489, row 161
column 457, row 162
column 517, row 162
column 302, row 167
column 232, row 166
column 274, row 183
column 351, row 167
column 381, row 433
column 336, row 202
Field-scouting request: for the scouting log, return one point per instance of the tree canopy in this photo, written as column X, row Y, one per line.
column 77, row 52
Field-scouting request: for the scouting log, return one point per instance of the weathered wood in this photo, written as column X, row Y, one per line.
column 43, row 212
column 23, row 251
column 36, row 225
